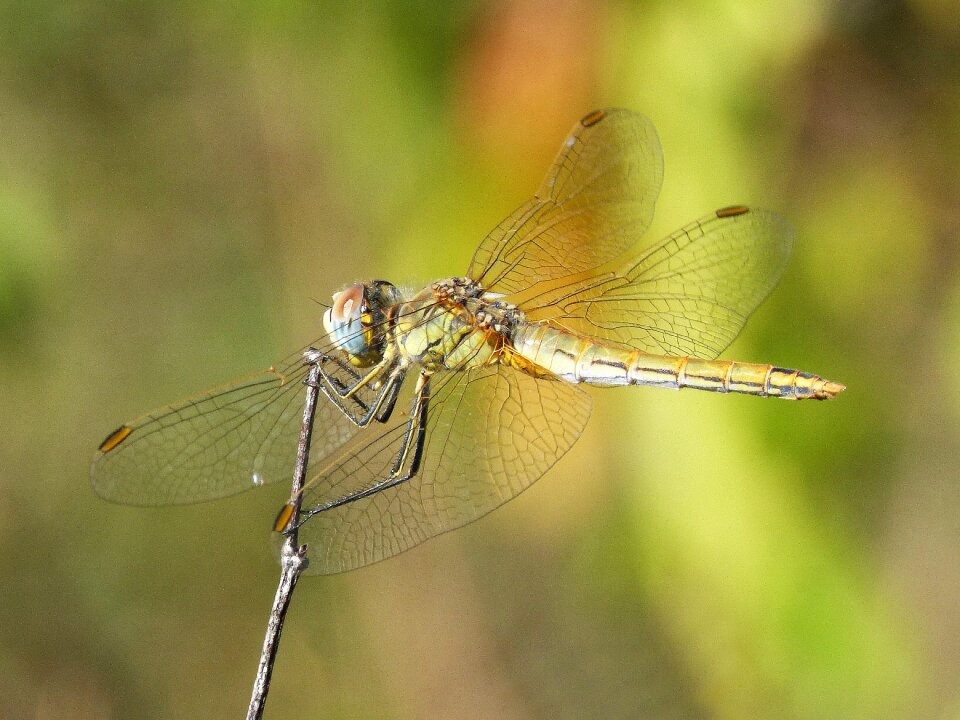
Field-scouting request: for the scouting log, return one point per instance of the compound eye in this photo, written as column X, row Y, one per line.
column 343, row 321
column 347, row 304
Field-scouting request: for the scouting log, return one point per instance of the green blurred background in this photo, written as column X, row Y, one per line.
column 179, row 181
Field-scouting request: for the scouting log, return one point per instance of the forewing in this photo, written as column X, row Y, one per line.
column 690, row 294
column 597, row 200
column 491, row 432
column 216, row 444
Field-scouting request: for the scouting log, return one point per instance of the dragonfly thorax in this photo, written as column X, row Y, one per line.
column 485, row 310
column 454, row 324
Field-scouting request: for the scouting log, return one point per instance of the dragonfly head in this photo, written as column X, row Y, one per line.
column 358, row 319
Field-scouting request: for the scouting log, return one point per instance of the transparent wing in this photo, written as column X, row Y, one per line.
column 596, row 201
column 491, row 432
column 690, row 294
column 219, row 443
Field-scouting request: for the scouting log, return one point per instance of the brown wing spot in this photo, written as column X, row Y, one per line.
column 115, row 438
column 732, row 211
column 593, row 118
column 283, row 518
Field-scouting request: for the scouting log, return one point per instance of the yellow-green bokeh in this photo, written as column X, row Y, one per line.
column 179, row 182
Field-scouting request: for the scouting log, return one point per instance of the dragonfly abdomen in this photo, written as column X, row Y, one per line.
column 728, row 376
column 578, row 359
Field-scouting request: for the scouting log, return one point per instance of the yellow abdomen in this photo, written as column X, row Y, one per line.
column 578, row 359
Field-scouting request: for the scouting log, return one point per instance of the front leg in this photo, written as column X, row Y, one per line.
column 378, row 408
column 345, row 391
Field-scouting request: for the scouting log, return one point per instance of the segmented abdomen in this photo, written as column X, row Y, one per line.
column 578, row 359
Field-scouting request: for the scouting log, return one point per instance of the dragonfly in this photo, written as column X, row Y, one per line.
column 443, row 404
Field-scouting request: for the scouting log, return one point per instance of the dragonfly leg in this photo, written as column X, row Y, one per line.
column 337, row 399
column 411, row 449
column 329, row 384
column 346, row 391
column 416, row 433
column 380, row 407
column 344, row 366
column 389, row 402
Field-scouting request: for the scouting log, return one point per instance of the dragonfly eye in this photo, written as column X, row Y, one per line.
column 359, row 321
column 344, row 321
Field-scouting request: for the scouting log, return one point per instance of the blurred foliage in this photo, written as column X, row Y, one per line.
column 178, row 181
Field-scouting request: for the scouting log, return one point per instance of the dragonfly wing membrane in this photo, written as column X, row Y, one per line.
column 216, row 444
column 689, row 294
column 596, row 201
column 491, row 432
